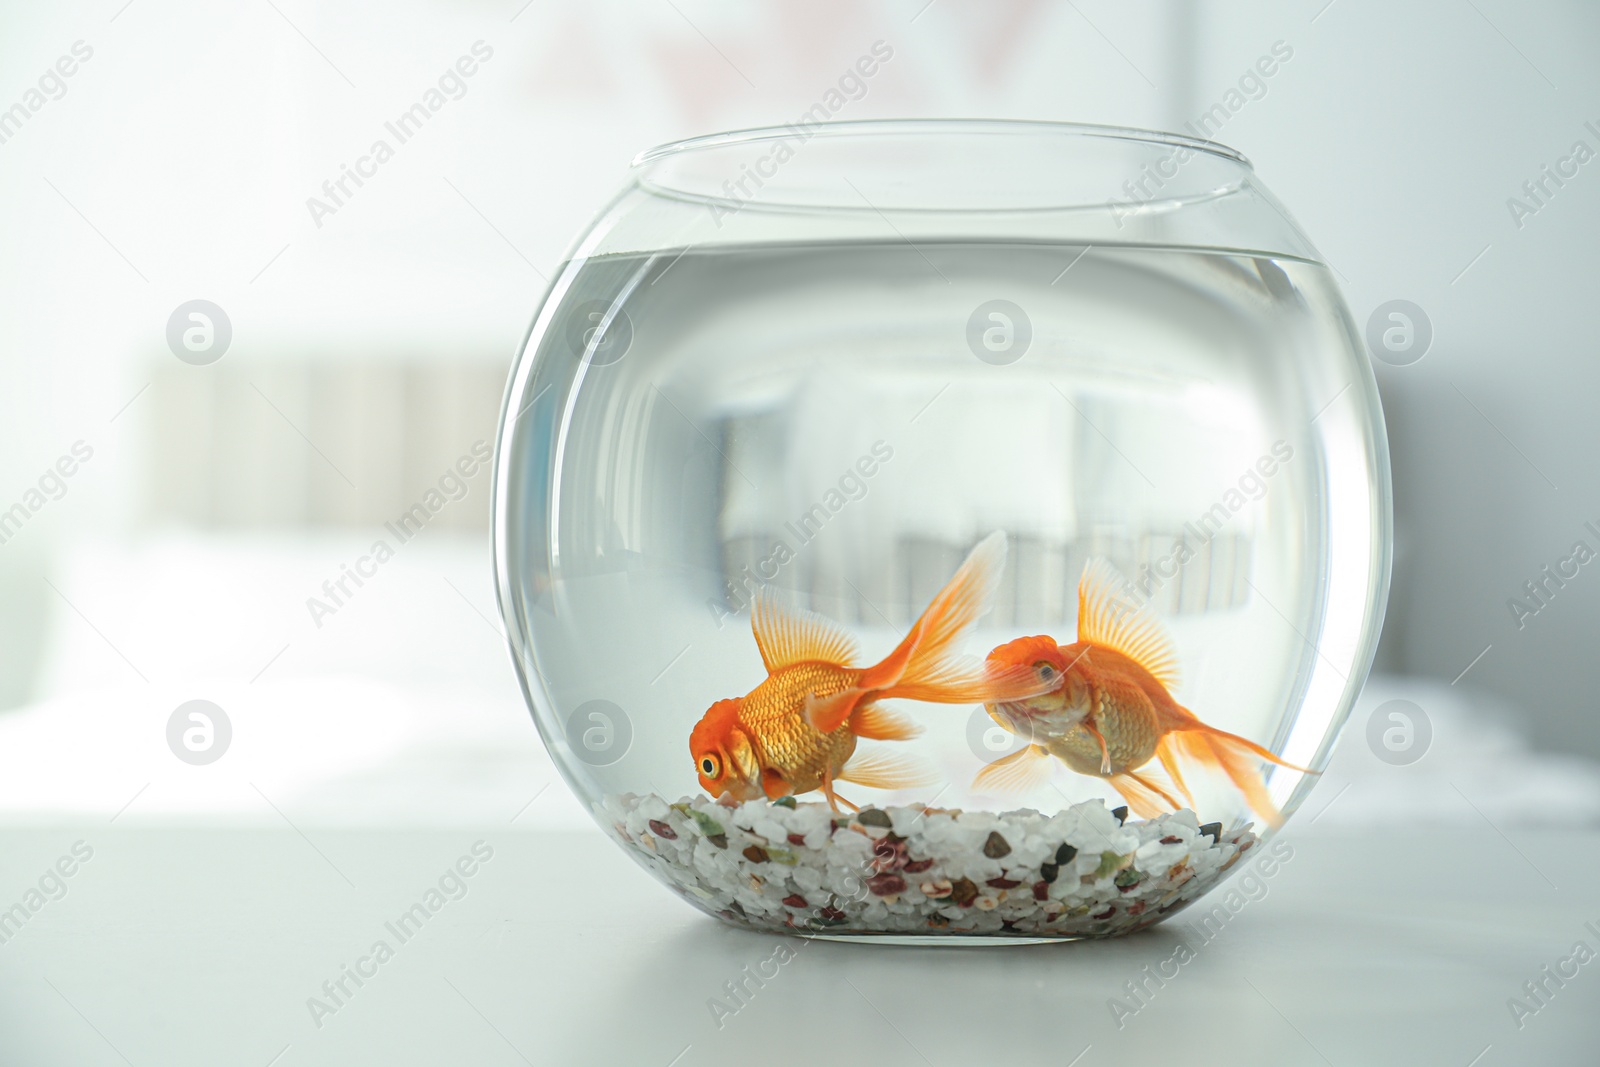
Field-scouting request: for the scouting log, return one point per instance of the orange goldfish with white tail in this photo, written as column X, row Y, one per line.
column 797, row 730
column 1110, row 711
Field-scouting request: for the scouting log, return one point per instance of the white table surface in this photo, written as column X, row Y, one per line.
column 202, row 946
column 396, row 739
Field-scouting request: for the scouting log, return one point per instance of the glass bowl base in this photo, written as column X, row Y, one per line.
column 924, row 875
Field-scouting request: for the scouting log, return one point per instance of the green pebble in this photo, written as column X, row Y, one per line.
column 1110, row 863
column 874, row 817
column 708, row 826
column 784, row 802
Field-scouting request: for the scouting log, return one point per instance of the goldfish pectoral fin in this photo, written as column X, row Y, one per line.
column 923, row 661
column 1144, row 797
column 1108, row 617
column 878, row 723
column 1105, row 753
column 774, row 784
column 886, row 770
column 1024, row 770
column 787, row 635
column 827, row 714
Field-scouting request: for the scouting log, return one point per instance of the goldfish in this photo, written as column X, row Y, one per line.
column 1110, row 711
column 797, row 731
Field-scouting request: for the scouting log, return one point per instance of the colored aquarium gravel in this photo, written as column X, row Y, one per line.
column 918, row 871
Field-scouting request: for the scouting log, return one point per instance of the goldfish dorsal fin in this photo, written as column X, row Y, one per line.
column 787, row 636
column 1109, row 619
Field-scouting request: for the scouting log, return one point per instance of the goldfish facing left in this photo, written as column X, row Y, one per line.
column 797, row 730
column 1110, row 711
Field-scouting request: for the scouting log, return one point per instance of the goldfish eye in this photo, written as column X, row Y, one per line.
column 1047, row 670
column 710, row 766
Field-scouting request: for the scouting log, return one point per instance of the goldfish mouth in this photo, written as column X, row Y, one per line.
column 735, row 790
column 1016, row 716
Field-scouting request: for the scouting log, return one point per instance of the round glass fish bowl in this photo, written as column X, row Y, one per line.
column 942, row 530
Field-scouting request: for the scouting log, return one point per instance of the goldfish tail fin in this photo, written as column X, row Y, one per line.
column 1180, row 720
column 1236, row 758
column 923, row 656
column 1107, row 617
column 886, row 770
column 1145, row 797
column 927, row 666
column 1023, row 770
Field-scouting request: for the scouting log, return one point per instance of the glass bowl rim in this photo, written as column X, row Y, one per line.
column 886, row 128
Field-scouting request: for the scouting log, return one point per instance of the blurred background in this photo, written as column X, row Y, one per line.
column 195, row 153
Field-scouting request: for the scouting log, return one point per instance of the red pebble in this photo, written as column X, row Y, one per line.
column 1171, row 839
column 1137, row 909
column 798, row 840
column 886, row 849
column 1106, row 914
column 884, row 885
column 1041, row 890
column 918, row 866
column 661, row 829
column 795, row 900
column 832, row 914
column 1002, row 883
